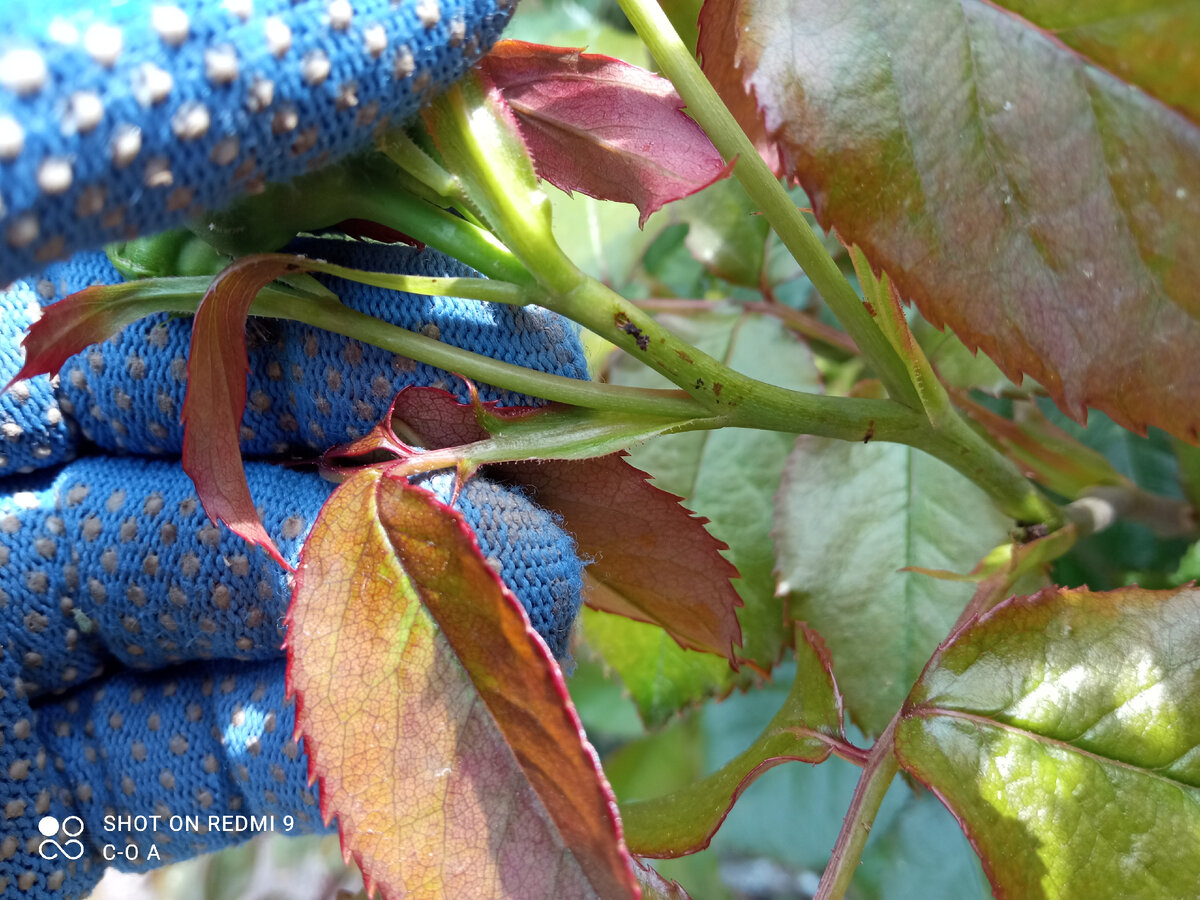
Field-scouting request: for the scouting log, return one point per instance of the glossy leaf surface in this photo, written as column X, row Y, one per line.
column 1033, row 182
column 436, row 720
column 1062, row 730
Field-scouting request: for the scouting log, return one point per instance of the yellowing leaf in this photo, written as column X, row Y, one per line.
column 1062, row 730
column 435, row 717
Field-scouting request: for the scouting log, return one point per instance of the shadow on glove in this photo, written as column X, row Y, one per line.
column 109, row 568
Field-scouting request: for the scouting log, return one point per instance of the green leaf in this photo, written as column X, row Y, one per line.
column 725, row 234
column 662, row 677
column 697, row 466
column 1062, row 731
column 1031, row 180
column 804, row 729
column 847, row 518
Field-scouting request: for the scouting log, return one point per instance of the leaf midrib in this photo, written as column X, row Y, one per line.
column 930, row 712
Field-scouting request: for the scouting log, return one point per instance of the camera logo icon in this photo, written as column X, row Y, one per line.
column 49, row 848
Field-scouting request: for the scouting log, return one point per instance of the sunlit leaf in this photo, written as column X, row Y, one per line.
column 434, row 716
column 600, row 126
column 848, row 518
column 1031, row 180
column 1062, row 731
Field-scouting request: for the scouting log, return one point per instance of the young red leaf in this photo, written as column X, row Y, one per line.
column 84, row 318
column 434, row 717
column 216, row 396
column 653, row 560
column 602, row 126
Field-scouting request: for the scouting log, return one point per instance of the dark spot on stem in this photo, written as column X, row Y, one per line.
column 870, row 432
column 1032, row 532
column 870, row 308
column 699, row 383
column 687, row 359
column 622, row 321
column 717, row 388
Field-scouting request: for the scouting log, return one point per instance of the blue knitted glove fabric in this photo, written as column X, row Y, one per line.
column 118, row 119
column 33, row 431
column 110, row 574
column 308, row 389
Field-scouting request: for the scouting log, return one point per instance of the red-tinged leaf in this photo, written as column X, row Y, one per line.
column 365, row 228
column 216, row 396
column 718, row 51
column 434, row 716
column 653, row 560
column 84, row 318
column 1043, row 450
column 1061, row 730
column 603, row 127
column 1034, row 183
column 806, row 729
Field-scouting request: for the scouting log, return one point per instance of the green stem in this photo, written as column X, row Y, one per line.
column 591, row 394
column 710, row 112
column 383, row 200
column 182, row 296
column 872, row 786
column 404, row 152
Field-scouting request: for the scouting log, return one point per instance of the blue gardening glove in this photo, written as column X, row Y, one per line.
column 140, row 670
column 124, row 118
column 110, row 576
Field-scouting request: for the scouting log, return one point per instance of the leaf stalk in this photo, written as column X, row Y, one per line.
column 872, row 786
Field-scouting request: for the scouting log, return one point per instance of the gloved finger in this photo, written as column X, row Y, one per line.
column 114, row 563
column 127, row 118
column 308, row 389
column 156, row 766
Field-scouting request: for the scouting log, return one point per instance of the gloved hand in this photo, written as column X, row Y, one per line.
column 140, row 669
column 127, row 118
